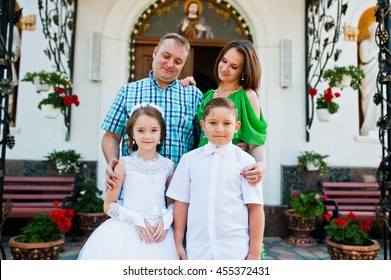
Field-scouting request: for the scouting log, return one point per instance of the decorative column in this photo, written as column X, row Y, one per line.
column 7, row 20
column 383, row 98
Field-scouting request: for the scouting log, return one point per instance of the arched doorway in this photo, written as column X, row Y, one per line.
column 208, row 28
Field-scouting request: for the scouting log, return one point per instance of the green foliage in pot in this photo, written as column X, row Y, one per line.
column 48, row 227
column 61, row 96
column 89, row 200
column 316, row 159
column 307, row 205
column 49, row 78
column 348, row 231
column 67, row 161
column 41, row 229
column 334, row 76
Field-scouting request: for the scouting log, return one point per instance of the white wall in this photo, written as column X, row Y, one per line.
column 284, row 108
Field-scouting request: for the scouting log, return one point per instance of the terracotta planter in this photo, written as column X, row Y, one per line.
column 301, row 229
column 88, row 222
column 352, row 252
column 35, row 251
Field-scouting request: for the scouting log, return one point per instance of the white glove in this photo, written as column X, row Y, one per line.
column 119, row 212
column 168, row 217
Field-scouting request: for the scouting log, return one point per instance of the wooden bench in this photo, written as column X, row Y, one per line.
column 32, row 195
column 358, row 197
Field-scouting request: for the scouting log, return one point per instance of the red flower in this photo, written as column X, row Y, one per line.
column 351, row 216
column 62, row 217
column 340, row 222
column 75, row 99
column 312, row 91
column 59, row 90
column 68, row 100
column 295, row 193
column 366, row 225
column 337, row 94
column 327, row 216
column 328, row 95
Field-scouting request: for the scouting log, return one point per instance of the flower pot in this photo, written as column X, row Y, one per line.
column 35, row 251
column 40, row 87
column 352, row 252
column 346, row 80
column 323, row 115
column 311, row 167
column 88, row 222
column 49, row 111
column 301, row 229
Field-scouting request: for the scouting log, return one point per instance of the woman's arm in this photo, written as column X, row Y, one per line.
column 255, row 172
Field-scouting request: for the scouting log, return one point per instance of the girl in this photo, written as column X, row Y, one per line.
column 139, row 227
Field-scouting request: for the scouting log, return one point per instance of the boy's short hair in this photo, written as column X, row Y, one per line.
column 221, row 102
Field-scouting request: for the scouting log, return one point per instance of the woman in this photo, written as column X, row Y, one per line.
column 237, row 71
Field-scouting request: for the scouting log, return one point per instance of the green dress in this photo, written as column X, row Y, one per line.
column 252, row 130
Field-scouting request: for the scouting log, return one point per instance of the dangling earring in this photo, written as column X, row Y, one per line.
column 242, row 78
column 158, row 143
column 134, row 142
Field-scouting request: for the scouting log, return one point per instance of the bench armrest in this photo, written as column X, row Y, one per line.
column 336, row 208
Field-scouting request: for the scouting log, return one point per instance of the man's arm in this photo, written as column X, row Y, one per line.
column 110, row 147
column 256, row 223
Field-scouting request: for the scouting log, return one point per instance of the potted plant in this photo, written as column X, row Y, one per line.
column 310, row 161
column 66, row 161
column 89, row 207
column 43, row 238
column 44, row 79
column 348, row 239
column 325, row 106
column 342, row 76
column 306, row 207
column 57, row 100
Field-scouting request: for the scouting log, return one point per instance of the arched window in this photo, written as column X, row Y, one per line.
column 207, row 24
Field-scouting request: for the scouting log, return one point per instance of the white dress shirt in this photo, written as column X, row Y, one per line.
column 217, row 224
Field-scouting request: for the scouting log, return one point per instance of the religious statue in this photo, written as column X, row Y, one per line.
column 193, row 25
column 368, row 54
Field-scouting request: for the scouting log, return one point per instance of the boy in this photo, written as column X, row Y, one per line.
column 220, row 211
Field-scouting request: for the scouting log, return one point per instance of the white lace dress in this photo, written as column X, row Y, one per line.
column 144, row 192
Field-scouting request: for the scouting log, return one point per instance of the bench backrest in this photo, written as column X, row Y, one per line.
column 31, row 195
column 361, row 198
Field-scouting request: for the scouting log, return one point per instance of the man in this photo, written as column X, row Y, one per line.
column 162, row 87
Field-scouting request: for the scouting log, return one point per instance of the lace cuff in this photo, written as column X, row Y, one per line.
column 119, row 212
column 113, row 210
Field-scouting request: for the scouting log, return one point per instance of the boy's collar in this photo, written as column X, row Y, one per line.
column 223, row 150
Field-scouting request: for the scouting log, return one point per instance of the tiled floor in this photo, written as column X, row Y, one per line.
column 276, row 249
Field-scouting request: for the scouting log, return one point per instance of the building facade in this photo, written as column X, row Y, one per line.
column 105, row 58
